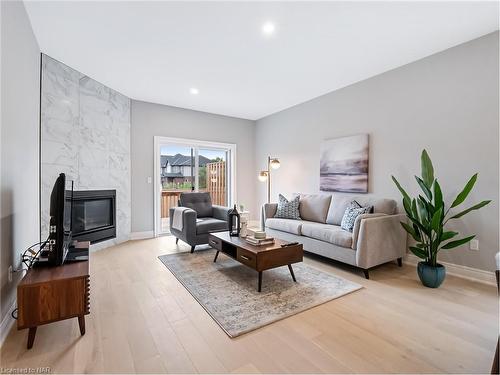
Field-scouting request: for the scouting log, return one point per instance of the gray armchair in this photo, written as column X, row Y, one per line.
column 196, row 218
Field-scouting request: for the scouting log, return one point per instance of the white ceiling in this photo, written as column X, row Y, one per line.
column 157, row 51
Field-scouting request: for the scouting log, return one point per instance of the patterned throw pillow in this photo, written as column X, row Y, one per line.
column 351, row 213
column 288, row 209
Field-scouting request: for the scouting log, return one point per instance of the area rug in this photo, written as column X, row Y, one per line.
column 227, row 290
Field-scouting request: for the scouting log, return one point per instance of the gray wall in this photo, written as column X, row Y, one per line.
column 446, row 103
column 149, row 120
column 19, row 204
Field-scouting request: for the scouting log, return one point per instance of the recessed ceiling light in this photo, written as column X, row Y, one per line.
column 268, row 28
column 194, row 91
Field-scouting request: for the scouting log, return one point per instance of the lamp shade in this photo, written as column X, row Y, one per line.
column 263, row 176
column 275, row 163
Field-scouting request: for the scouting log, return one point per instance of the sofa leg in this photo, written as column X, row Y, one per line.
column 176, row 240
column 400, row 262
column 367, row 275
column 192, row 249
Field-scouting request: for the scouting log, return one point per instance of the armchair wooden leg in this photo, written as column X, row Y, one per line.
column 176, row 240
column 192, row 249
column 367, row 275
column 400, row 262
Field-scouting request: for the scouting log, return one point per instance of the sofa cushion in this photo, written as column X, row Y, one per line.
column 337, row 208
column 200, row 202
column 341, row 201
column 380, row 205
column 285, row 225
column 314, row 207
column 287, row 209
column 328, row 233
column 351, row 213
column 208, row 224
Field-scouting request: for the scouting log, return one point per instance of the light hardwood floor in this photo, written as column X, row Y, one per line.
column 142, row 320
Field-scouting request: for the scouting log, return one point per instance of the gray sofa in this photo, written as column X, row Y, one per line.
column 376, row 238
column 199, row 218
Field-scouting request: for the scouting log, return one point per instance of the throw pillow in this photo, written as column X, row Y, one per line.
column 351, row 213
column 288, row 209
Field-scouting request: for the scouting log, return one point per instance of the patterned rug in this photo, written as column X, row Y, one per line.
column 227, row 290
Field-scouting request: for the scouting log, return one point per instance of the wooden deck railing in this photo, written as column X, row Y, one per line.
column 216, row 182
column 169, row 198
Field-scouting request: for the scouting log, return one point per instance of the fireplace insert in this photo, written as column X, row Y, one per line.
column 94, row 215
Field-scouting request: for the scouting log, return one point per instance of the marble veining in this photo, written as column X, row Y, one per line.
column 85, row 134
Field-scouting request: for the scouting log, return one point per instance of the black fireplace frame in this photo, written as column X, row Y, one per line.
column 100, row 234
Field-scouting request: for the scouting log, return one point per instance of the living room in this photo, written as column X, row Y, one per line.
column 234, row 187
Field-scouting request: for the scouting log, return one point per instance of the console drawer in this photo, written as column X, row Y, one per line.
column 247, row 258
column 215, row 242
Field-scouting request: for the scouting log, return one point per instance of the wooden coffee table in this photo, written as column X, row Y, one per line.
column 259, row 258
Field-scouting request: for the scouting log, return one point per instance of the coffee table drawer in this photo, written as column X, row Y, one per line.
column 215, row 242
column 246, row 257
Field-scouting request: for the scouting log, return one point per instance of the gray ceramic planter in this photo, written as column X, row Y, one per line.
column 431, row 277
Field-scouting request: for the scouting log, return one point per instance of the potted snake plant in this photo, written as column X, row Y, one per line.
column 428, row 216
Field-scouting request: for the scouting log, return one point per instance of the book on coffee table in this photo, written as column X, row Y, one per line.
column 259, row 241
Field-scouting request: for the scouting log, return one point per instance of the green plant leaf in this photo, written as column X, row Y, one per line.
column 475, row 207
column 411, row 231
column 424, row 188
column 414, row 210
column 465, row 192
column 438, row 195
column 452, row 244
column 407, row 205
column 400, row 188
column 436, row 220
column 428, row 204
column 418, row 252
column 418, row 224
column 448, row 235
column 422, row 209
column 427, row 169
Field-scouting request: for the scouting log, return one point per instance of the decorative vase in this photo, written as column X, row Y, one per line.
column 431, row 276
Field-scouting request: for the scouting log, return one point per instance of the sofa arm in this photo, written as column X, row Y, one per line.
column 268, row 211
column 380, row 240
column 220, row 212
column 188, row 222
column 357, row 224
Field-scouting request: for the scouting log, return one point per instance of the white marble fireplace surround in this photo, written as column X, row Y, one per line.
column 85, row 133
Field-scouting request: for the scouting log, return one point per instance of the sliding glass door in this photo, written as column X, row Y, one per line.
column 190, row 165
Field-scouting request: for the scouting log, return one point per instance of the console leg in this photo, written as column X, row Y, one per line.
column 192, row 249
column 176, row 240
column 216, row 255
column 291, row 272
column 367, row 275
column 31, row 337
column 260, row 282
column 81, row 323
column 400, row 262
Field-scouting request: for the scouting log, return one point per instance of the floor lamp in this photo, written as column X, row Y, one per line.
column 272, row 163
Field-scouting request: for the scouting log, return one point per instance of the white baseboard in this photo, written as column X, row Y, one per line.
column 465, row 272
column 142, row 235
column 7, row 323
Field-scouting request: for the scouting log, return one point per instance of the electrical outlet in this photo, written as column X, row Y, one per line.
column 474, row 245
column 10, row 274
column 150, row 180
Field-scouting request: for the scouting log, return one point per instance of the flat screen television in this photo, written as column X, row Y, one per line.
column 61, row 205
